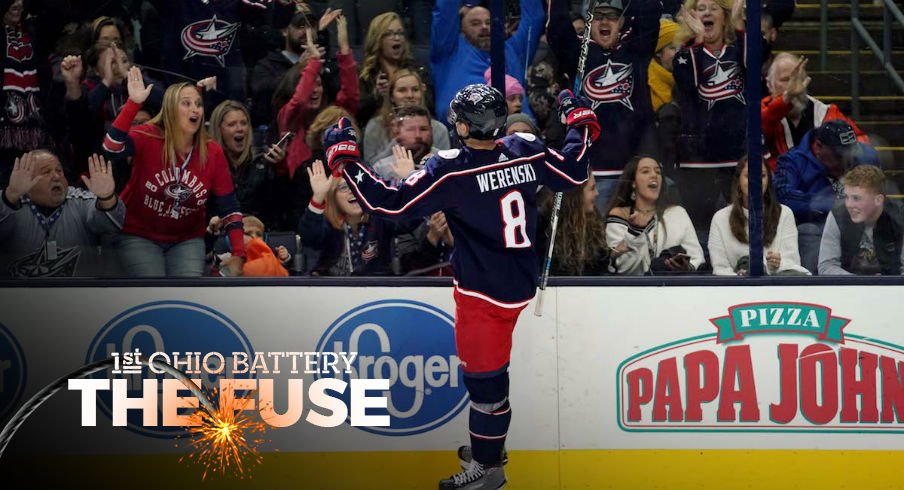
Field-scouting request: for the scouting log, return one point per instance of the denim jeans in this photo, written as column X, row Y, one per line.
column 141, row 257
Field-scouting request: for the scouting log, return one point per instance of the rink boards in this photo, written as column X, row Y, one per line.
column 613, row 387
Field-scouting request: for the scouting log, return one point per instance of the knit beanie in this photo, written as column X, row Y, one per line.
column 512, row 86
column 667, row 31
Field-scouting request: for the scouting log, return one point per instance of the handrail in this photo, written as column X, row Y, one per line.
column 858, row 33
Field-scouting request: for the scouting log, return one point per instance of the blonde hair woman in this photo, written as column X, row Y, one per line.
column 177, row 172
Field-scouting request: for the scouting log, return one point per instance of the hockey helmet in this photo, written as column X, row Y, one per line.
column 482, row 108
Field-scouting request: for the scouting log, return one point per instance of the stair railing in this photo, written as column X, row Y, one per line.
column 859, row 33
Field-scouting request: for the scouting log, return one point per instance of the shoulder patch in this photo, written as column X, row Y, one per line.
column 526, row 136
column 451, row 154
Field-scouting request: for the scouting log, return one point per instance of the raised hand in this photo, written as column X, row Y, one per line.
column 341, row 144
column 320, row 183
column 693, row 22
column 208, row 84
column 403, row 162
column 437, row 228
column 121, row 63
column 107, row 75
column 329, row 15
column 22, row 179
column 100, row 182
column 312, row 50
column 799, row 81
column 342, row 35
column 72, row 69
column 575, row 112
column 138, row 93
column 738, row 15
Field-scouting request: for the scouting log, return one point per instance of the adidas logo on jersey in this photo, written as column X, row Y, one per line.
column 502, row 158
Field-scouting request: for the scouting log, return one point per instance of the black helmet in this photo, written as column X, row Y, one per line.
column 482, row 108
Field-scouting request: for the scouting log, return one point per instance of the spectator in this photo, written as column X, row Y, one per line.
column 262, row 262
column 350, row 242
column 406, row 89
column 521, row 123
column 411, row 131
column 254, row 176
column 201, row 39
column 514, row 92
column 622, row 43
column 788, row 112
column 299, row 97
column 729, row 249
column 542, row 90
column 864, row 234
column 807, row 180
column 22, row 120
column 270, row 70
column 662, row 82
column 709, row 73
column 460, row 46
column 54, row 230
column 177, row 172
column 646, row 234
column 581, row 248
column 109, row 31
column 386, row 50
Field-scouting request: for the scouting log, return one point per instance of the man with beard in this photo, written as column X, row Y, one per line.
column 270, row 70
column 55, row 230
column 623, row 38
column 788, row 112
column 412, row 131
column 460, row 46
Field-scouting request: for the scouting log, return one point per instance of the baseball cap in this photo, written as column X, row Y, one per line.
column 303, row 16
column 838, row 135
column 612, row 4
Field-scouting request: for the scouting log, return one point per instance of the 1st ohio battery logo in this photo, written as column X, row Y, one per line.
column 413, row 345
column 166, row 326
column 769, row 367
column 12, row 372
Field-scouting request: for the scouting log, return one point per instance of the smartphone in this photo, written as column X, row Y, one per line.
column 284, row 139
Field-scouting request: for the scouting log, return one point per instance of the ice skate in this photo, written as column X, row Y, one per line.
column 464, row 457
column 475, row 477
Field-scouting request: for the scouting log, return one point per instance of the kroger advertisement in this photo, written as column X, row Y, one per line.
column 228, row 384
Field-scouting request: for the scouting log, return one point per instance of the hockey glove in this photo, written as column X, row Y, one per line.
column 575, row 112
column 341, row 145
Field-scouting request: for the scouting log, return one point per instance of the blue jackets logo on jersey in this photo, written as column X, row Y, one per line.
column 12, row 373
column 413, row 345
column 209, row 37
column 723, row 80
column 612, row 82
column 165, row 326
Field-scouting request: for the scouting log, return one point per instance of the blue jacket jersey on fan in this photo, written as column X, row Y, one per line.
column 455, row 62
column 489, row 199
column 615, row 80
column 201, row 38
column 710, row 92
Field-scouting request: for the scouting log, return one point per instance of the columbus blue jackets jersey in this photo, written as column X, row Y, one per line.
column 489, row 199
column 713, row 107
column 201, row 38
column 615, row 80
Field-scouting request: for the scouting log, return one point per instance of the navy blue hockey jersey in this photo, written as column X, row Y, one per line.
column 201, row 38
column 615, row 80
column 713, row 107
column 489, row 199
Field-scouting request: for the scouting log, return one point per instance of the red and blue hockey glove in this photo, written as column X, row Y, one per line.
column 341, row 145
column 575, row 112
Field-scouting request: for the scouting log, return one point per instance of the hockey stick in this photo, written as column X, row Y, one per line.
column 557, row 203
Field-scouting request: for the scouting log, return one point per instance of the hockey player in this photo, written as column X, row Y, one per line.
column 623, row 36
column 487, row 191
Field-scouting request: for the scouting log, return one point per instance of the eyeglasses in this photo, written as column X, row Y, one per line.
column 611, row 15
column 394, row 34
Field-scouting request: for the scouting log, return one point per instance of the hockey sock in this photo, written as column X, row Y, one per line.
column 489, row 425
